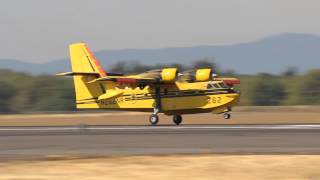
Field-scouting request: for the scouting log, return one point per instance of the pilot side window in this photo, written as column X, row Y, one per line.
column 213, row 86
column 223, row 85
column 216, row 86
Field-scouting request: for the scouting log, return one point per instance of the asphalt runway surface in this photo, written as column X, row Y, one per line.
column 39, row 142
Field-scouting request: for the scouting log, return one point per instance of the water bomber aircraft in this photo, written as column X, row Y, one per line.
column 164, row 90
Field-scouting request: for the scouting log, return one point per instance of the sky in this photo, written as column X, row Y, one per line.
column 40, row 30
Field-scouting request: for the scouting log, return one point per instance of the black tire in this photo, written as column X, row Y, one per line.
column 226, row 116
column 141, row 86
column 154, row 119
column 177, row 119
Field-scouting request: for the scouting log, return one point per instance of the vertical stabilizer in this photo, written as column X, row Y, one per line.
column 82, row 60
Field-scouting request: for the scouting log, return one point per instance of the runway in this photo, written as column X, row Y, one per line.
column 38, row 142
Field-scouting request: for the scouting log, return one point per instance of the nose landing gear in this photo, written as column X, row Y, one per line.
column 226, row 116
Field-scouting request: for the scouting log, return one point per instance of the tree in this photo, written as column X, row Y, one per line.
column 6, row 92
column 51, row 94
column 309, row 88
column 290, row 71
column 119, row 67
column 266, row 90
column 205, row 63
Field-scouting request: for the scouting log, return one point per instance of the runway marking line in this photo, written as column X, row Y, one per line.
column 245, row 127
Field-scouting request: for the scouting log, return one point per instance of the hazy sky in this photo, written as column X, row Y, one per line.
column 40, row 30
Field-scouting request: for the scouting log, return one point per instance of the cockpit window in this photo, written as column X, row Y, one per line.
column 223, row 85
column 216, row 86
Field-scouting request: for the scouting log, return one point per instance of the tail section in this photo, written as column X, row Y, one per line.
column 82, row 60
column 85, row 68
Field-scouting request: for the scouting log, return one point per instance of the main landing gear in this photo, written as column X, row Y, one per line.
column 177, row 119
column 154, row 118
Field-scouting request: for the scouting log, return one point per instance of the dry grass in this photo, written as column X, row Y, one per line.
column 284, row 117
column 168, row 167
column 241, row 115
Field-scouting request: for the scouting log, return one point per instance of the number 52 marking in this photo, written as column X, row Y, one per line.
column 214, row 100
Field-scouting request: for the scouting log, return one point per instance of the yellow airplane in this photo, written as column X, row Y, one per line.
column 158, row 91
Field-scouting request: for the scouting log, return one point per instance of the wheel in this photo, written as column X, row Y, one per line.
column 226, row 116
column 177, row 119
column 154, row 119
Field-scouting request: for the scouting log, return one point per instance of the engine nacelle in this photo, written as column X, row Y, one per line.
column 203, row 74
column 169, row 74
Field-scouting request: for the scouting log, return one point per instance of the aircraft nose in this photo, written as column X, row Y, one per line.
column 234, row 95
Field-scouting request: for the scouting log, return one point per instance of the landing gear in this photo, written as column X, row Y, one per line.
column 141, row 86
column 177, row 119
column 226, row 116
column 154, row 119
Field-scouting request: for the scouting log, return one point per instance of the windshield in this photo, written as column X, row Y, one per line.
column 215, row 85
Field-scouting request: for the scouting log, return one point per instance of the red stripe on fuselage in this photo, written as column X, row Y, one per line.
column 126, row 80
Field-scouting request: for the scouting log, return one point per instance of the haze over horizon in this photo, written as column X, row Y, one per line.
column 40, row 31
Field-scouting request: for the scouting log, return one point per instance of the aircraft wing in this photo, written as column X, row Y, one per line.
column 166, row 75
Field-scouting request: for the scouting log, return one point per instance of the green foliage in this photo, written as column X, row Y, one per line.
column 246, row 82
column 136, row 67
column 51, row 93
column 266, row 90
column 7, row 91
column 205, row 63
column 20, row 92
column 118, row 67
column 309, row 88
column 291, row 71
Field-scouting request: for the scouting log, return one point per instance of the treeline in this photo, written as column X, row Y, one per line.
column 267, row 89
column 20, row 92
column 133, row 67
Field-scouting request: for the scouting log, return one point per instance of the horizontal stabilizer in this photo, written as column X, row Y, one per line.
column 78, row 74
column 86, row 73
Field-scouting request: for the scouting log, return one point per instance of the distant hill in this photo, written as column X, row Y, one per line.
column 272, row 54
column 47, row 68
